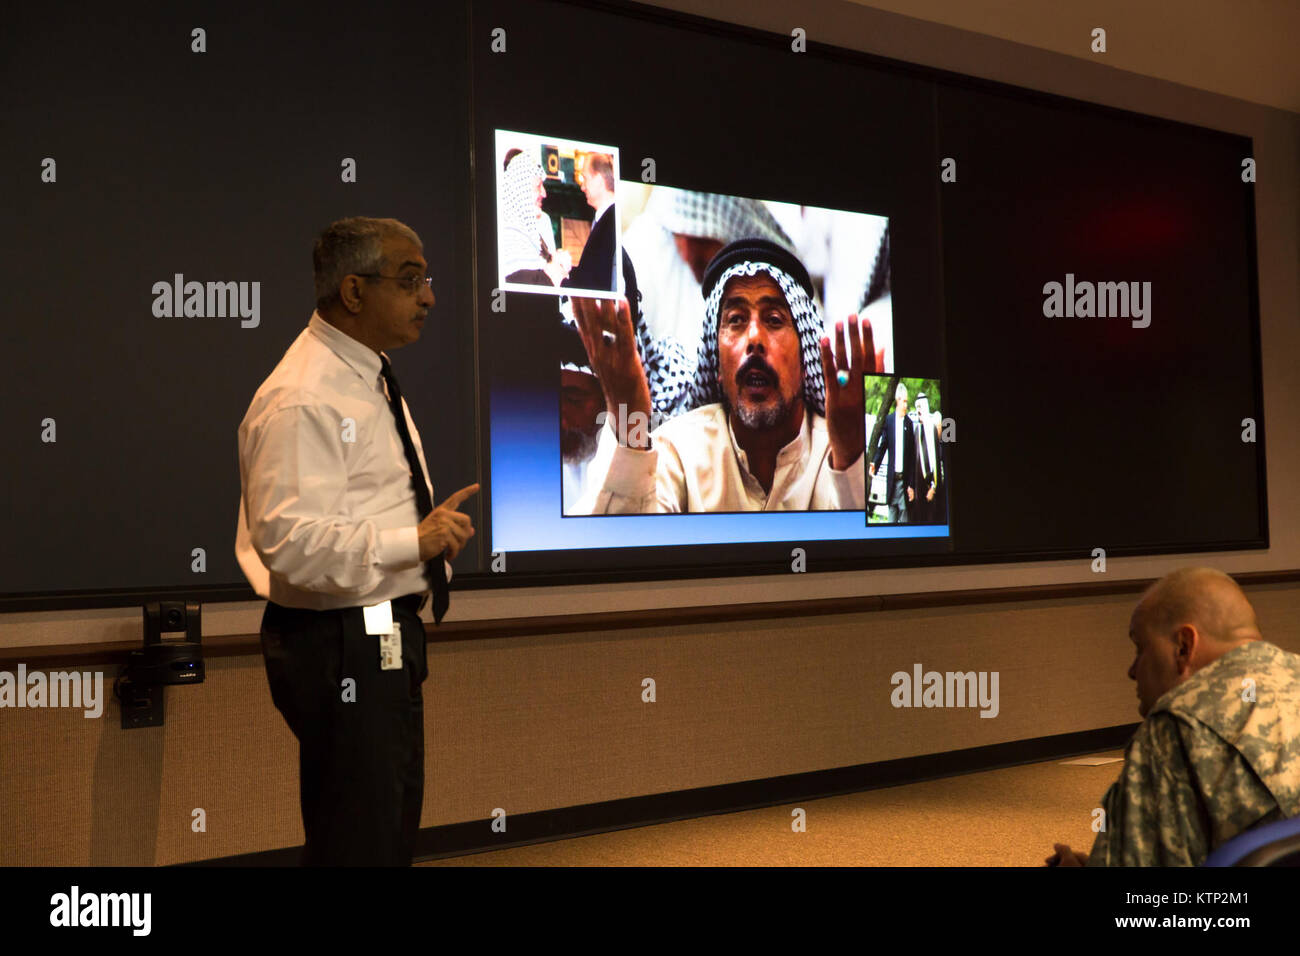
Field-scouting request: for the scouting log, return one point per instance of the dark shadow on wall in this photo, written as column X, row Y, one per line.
column 126, row 789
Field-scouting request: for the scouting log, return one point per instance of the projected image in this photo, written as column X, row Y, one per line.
column 557, row 226
column 908, row 474
column 711, row 390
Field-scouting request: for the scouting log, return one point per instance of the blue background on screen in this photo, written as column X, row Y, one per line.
column 526, row 499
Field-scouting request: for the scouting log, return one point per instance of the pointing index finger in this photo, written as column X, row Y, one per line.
column 456, row 497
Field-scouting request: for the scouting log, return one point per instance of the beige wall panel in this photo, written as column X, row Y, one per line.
column 546, row 722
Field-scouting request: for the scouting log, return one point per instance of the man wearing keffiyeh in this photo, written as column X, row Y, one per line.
column 527, row 252
column 778, row 422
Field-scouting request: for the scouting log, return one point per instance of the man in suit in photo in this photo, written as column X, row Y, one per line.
column 897, row 449
column 595, row 268
column 928, row 507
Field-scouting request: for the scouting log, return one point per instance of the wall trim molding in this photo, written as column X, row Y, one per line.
column 54, row 656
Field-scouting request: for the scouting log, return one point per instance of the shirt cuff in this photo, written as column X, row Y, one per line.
column 399, row 548
column 851, row 484
column 632, row 472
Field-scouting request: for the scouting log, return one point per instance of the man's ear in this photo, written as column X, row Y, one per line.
column 350, row 294
column 1186, row 639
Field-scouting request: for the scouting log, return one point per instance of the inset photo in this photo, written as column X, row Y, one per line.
column 906, row 467
column 557, row 222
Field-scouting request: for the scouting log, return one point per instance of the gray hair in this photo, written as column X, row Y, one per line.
column 352, row 246
column 900, row 392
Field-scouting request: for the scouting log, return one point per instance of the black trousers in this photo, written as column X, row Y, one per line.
column 360, row 730
column 899, row 508
column 919, row 511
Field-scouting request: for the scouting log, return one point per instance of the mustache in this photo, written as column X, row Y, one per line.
column 756, row 363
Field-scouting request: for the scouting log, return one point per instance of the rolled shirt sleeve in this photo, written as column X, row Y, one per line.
column 630, row 483
column 850, row 485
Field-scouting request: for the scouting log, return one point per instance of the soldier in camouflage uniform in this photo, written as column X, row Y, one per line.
column 1219, row 750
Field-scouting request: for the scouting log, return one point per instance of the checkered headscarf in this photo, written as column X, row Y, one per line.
column 706, row 390
column 667, row 369
column 521, row 237
column 714, row 216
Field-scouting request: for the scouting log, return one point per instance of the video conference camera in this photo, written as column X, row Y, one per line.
column 160, row 662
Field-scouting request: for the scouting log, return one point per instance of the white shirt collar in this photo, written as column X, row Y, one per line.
column 361, row 358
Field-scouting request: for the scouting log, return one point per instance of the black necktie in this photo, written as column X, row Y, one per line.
column 925, row 451
column 433, row 570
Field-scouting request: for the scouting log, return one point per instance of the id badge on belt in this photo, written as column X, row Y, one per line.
column 379, row 622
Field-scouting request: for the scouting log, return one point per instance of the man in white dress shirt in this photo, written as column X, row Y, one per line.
column 332, row 532
column 778, row 420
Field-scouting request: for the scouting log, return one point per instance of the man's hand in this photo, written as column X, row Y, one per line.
column 911, row 494
column 929, row 495
column 610, row 340
column 445, row 530
column 559, row 267
column 846, row 422
column 1064, row 856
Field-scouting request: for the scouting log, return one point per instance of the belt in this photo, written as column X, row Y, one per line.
column 414, row 603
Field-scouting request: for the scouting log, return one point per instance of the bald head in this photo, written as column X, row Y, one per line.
column 1186, row 621
column 1205, row 598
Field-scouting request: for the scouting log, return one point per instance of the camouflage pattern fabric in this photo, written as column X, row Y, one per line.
column 1208, row 763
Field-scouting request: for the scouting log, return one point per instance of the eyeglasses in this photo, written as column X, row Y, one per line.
column 409, row 283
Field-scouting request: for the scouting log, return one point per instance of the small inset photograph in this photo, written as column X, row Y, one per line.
column 557, row 221
column 906, row 472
